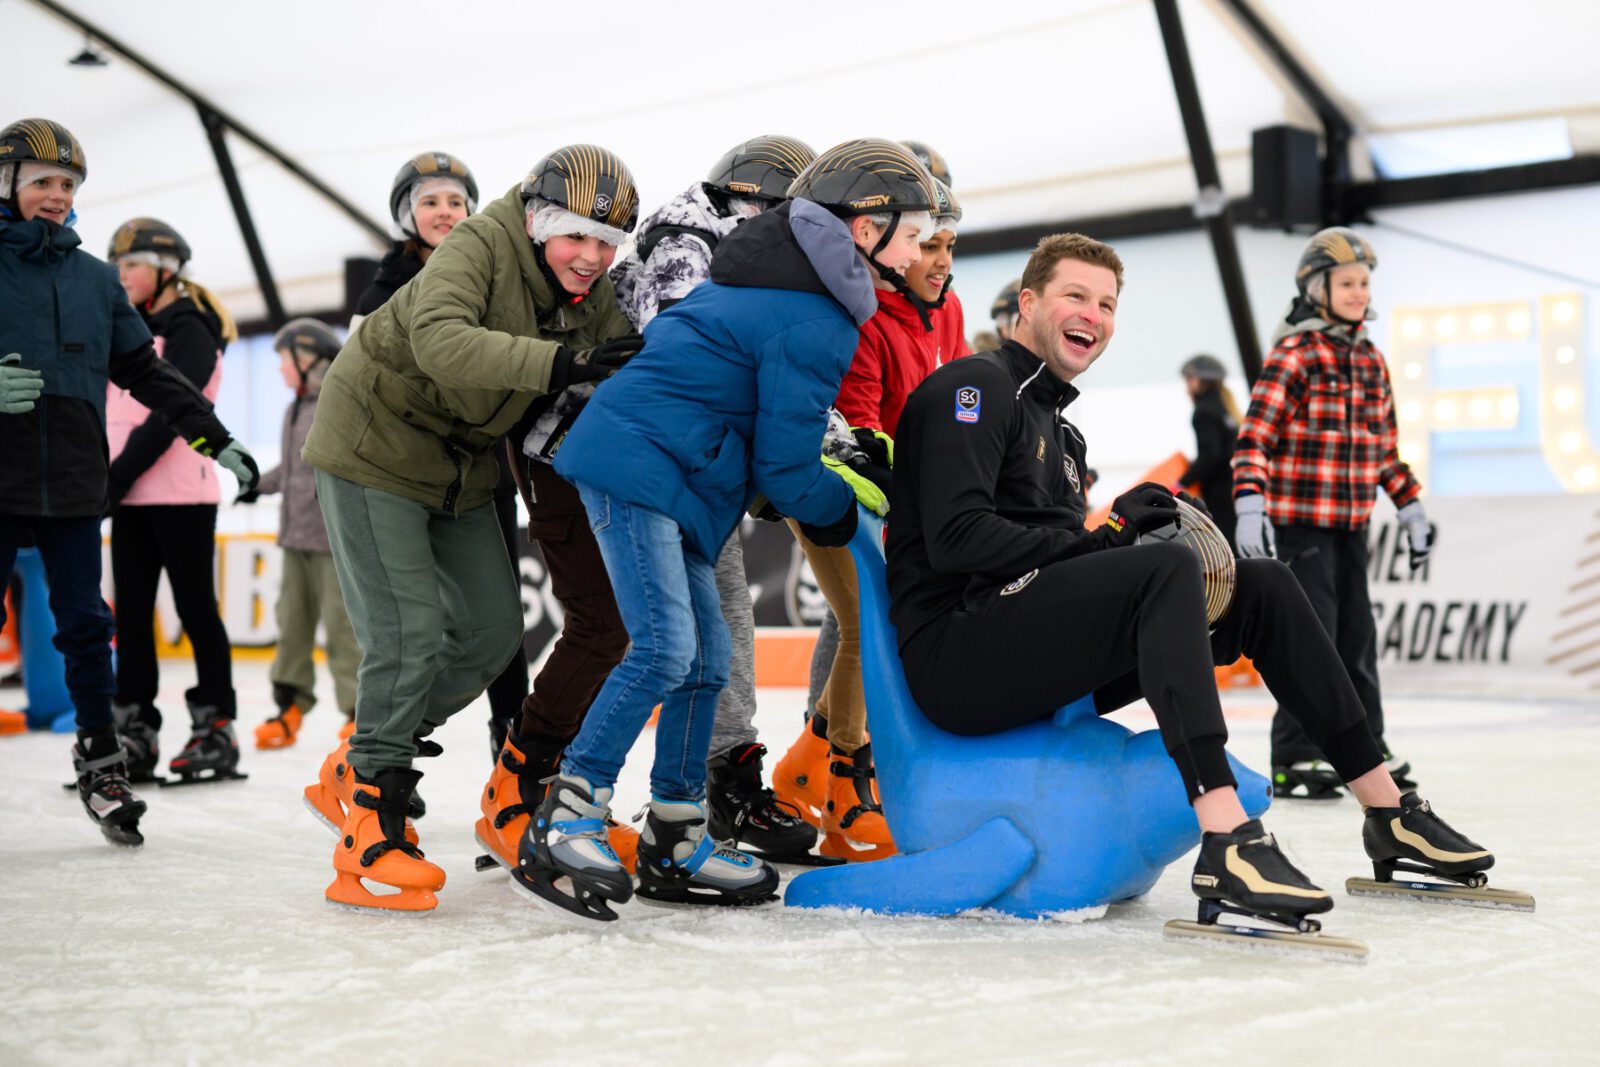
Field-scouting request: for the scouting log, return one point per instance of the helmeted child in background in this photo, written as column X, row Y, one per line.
column 430, row 195
column 1318, row 441
column 515, row 305
column 163, row 501
column 729, row 399
column 66, row 327
column 308, row 591
column 828, row 772
column 670, row 256
column 1005, row 309
column 1216, row 428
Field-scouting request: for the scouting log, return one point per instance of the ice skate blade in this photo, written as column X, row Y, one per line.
column 801, row 859
column 490, row 858
column 685, row 898
column 127, row 837
column 539, row 887
column 347, row 891
column 202, row 778
column 1441, row 893
column 1254, row 938
column 311, row 806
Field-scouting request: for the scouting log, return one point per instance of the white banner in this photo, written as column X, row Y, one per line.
column 1509, row 603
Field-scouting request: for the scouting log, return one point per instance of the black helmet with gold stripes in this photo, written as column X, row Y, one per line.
column 1337, row 246
column 42, row 141
column 588, row 181
column 929, row 157
column 421, row 167
column 148, row 235
column 761, row 169
column 867, row 176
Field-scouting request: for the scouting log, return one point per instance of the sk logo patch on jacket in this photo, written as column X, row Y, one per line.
column 969, row 401
column 1020, row 584
column 1070, row 469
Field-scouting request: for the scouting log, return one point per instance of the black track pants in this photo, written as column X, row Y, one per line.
column 1129, row 622
column 180, row 539
column 1331, row 566
column 510, row 686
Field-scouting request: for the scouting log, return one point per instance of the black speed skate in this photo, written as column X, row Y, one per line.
column 1412, row 839
column 101, row 767
column 212, row 752
column 1244, row 873
column 679, row 863
column 746, row 814
column 567, row 839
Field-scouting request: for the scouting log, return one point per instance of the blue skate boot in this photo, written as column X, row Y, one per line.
column 680, row 864
column 567, row 839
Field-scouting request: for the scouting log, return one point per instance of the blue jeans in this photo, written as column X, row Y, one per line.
column 667, row 595
column 70, row 549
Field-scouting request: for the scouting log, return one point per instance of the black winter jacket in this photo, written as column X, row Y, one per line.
column 988, row 485
column 399, row 265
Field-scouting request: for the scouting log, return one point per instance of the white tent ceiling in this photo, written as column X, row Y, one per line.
column 1045, row 111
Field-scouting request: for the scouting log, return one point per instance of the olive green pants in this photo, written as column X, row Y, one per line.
column 308, row 593
column 434, row 604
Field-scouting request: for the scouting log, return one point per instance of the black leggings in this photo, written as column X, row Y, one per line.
column 180, row 538
column 1130, row 622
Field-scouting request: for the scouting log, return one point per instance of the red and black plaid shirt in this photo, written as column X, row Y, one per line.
column 1319, row 437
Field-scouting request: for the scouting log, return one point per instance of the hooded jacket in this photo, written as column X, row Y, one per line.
column 300, row 525
column 1319, row 437
column 427, row 384
column 730, row 395
column 65, row 313
column 149, row 465
column 895, row 354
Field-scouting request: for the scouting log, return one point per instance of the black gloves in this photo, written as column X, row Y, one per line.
column 1194, row 502
column 1147, row 506
column 834, row 535
column 594, row 364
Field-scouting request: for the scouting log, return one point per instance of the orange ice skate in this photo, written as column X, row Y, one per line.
column 853, row 827
column 328, row 798
column 348, row 729
column 13, row 722
column 514, row 790
column 801, row 776
column 374, row 848
column 280, row 730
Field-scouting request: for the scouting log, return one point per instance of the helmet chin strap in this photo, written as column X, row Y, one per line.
column 556, row 288
column 895, row 280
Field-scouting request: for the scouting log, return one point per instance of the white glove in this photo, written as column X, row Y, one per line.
column 1253, row 532
column 19, row 386
column 1418, row 531
column 242, row 465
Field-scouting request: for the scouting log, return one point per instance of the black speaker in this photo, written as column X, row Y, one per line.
column 1286, row 178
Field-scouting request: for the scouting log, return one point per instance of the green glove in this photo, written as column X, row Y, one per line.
column 242, row 465
column 864, row 483
column 19, row 386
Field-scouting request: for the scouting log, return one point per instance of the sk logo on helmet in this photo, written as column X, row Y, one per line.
column 969, row 402
column 602, row 204
column 64, row 153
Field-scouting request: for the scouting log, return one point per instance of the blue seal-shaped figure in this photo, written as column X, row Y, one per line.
column 1065, row 813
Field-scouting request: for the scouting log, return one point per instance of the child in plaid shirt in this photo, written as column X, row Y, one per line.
column 1318, row 440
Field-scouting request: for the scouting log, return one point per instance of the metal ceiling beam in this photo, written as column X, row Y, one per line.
column 1363, row 196
column 1211, row 205
column 218, row 136
column 205, row 106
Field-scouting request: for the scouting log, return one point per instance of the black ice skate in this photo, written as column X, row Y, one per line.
column 1244, row 873
column 102, row 785
column 139, row 726
column 567, row 840
column 746, row 814
column 1411, row 838
column 679, row 863
column 1310, row 779
column 212, row 752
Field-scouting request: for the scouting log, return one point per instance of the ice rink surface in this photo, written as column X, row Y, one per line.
column 213, row 945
